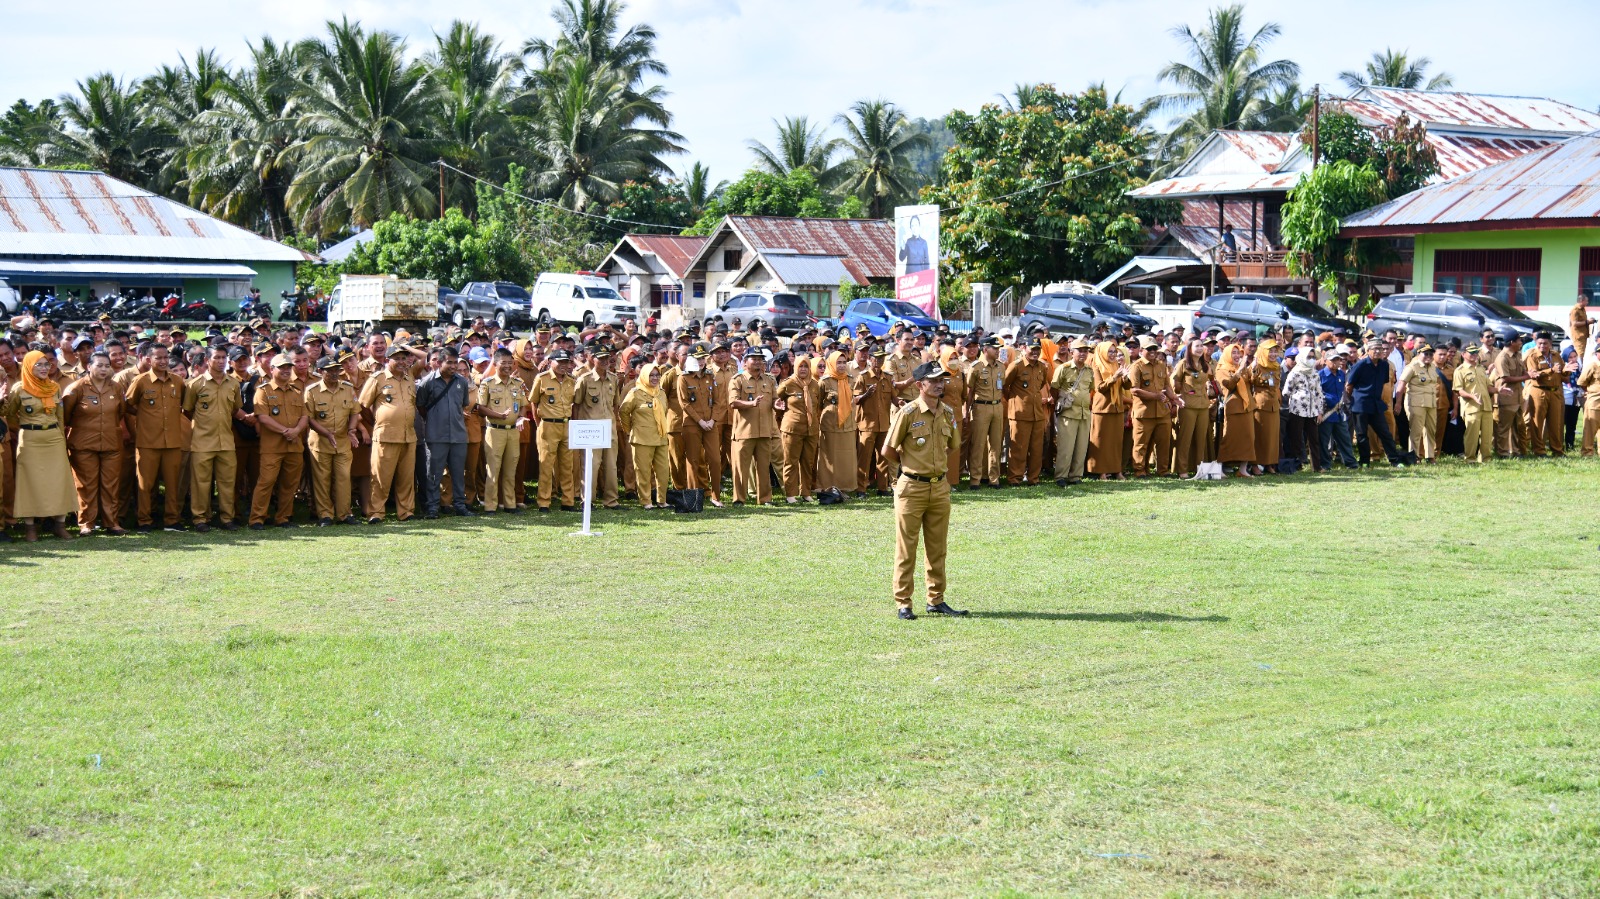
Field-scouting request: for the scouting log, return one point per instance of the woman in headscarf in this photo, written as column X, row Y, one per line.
column 526, row 356
column 1238, row 445
column 1107, row 409
column 1266, row 389
column 644, row 414
column 836, row 452
column 1191, row 381
column 43, row 476
column 800, row 431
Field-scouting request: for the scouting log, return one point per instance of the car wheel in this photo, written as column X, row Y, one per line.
column 501, row 321
column 459, row 317
column 588, row 320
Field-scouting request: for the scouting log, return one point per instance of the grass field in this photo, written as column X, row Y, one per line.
column 1341, row 685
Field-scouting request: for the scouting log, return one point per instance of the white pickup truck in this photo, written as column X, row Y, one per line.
column 383, row 302
column 582, row 298
column 10, row 298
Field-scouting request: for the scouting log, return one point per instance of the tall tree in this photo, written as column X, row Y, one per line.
column 478, row 95
column 700, row 190
column 238, row 162
column 878, row 142
column 107, row 125
column 177, row 96
column 800, row 144
column 25, row 129
column 1224, row 84
column 1396, row 68
column 367, row 151
column 590, row 33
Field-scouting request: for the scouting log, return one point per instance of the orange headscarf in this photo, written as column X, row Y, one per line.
column 653, row 391
column 945, row 355
column 1047, row 352
column 1228, row 365
column 43, row 388
column 1105, row 370
column 1264, row 358
column 838, row 372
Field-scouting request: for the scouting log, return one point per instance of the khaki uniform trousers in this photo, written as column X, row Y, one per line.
column 871, row 468
column 920, row 508
column 216, row 466
column 474, row 472
column 1507, row 419
column 1152, row 445
column 502, row 450
column 604, row 474
column 1545, row 432
column 988, row 439
column 330, row 482
column 165, row 466
column 1027, row 449
column 716, row 449
column 280, row 474
column 1478, row 441
column 799, row 464
column 1591, row 425
column 836, row 461
column 1072, row 447
column 98, row 477
column 1193, row 434
column 394, row 468
column 1424, row 429
column 692, row 443
column 652, row 472
column 752, row 459
column 555, row 465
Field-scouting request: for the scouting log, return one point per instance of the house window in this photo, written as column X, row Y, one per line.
column 1510, row 276
column 732, row 259
column 699, row 290
column 1589, row 273
column 233, row 288
column 819, row 301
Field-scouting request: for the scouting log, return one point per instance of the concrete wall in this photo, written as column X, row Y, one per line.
column 1558, row 262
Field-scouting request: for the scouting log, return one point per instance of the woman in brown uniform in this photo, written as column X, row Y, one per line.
column 955, row 396
column 1107, row 409
column 1191, row 381
column 93, row 420
column 836, row 452
column 1266, row 395
column 44, row 479
column 1238, row 445
column 799, row 431
column 644, row 413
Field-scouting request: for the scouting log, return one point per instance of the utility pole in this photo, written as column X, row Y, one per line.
column 1316, row 121
column 440, row 164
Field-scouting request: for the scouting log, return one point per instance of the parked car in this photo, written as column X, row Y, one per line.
column 10, row 298
column 580, row 298
column 1437, row 317
column 880, row 315
column 785, row 313
column 1246, row 311
column 506, row 303
column 1080, row 313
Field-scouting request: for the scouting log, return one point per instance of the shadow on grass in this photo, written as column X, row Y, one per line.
column 1103, row 617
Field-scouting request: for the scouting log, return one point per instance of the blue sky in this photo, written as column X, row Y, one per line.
column 737, row 64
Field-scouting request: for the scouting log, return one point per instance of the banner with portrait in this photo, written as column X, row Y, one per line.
column 916, row 268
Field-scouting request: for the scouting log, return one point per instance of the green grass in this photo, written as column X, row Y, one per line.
column 1341, row 685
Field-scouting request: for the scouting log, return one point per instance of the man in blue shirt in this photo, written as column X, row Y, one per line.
column 1333, row 432
column 1366, row 392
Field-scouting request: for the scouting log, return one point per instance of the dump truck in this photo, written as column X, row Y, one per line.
column 383, row 303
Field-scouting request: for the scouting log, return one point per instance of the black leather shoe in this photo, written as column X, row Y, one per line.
column 886, row 493
column 432, row 516
column 465, row 512
column 1061, row 482
column 512, row 510
column 376, row 519
column 738, row 504
column 230, row 525
column 942, row 609
column 545, row 510
column 907, row 615
column 348, row 519
column 288, row 524
column 147, row 528
column 258, row 526
column 995, row 485
column 325, row 522
column 201, row 527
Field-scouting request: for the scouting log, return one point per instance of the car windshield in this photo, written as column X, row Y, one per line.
column 1302, row 308
column 788, row 301
column 511, row 292
column 896, row 307
column 1504, row 310
column 601, row 293
column 1105, row 304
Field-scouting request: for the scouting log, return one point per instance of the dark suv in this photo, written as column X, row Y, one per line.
column 1437, row 317
column 785, row 313
column 1244, row 311
column 1080, row 313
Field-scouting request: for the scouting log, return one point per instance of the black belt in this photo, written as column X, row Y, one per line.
column 926, row 480
column 49, row 427
column 1540, row 386
column 501, row 427
column 553, row 421
column 987, row 402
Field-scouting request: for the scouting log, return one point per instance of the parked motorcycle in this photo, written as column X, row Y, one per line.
column 288, row 307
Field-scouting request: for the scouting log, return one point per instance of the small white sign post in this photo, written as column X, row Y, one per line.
column 588, row 435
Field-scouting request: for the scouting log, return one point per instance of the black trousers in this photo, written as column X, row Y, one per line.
column 1297, row 433
column 1380, row 426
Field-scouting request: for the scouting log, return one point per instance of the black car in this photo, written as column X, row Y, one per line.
column 1080, row 313
column 785, row 313
column 507, row 303
column 1437, row 317
column 1246, row 311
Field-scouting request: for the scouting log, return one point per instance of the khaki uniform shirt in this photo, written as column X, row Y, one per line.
column 22, row 408
column 286, row 406
column 803, row 405
column 872, row 412
column 156, row 406
column 1074, row 386
column 1546, row 371
column 697, row 398
column 756, row 422
column 1193, row 387
column 1589, row 383
column 393, row 404
column 332, row 409
column 900, row 368
column 498, row 395
column 1509, row 365
column 986, row 382
column 1473, row 381
column 923, row 437
column 639, row 417
column 721, row 412
column 1152, row 376
column 553, row 397
column 1024, row 387
column 596, row 396
column 828, row 395
column 93, row 416
column 1422, row 384
column 1579, row 322
column 210, row 403
column 1266, row 388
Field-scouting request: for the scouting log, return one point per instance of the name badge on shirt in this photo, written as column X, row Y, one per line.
column 94, row 401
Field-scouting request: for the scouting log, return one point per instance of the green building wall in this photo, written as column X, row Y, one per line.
column 1558, row 262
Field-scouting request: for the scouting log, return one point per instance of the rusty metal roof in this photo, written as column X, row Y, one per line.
column 1266, row 148
column 1209, row 185
column 674, row 251
column 1553, row 187
column 45, row 213
column 864, row 246
column 1457, row 110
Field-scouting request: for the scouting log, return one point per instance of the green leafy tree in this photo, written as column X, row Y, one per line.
column 1400, row 152
column 1225, row 84
column 664, row 207
column 1311, row 219
column 548, row 237
column 108, row 126
column 239, row 164
column 477, row 98
column 878, row 141
column 451, row 250
column 700, row 190
column 1397, row 68
column 1040, row 194
column 924, row 159
column 796, row 194
column 25, row 129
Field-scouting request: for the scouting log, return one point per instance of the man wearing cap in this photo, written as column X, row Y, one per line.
column 282, row 421
column 211, row 400
column 503, row 404
column 1475, row 393
column 872, row 391
column 1024, row 387
column 1153, row 404
column 900, row 365
column 919, row 441
column 597, row 400
column 1073, row 384
column 552, row 394
column 153, row 404
column 986, row 393
column 1419, row 394
column 1510, row 377
column 334, row 438
column 697, row 432
column 1546, row 372
column 389, row 403
column 751, row 395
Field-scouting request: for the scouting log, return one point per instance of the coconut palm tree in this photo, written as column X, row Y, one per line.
column 877, row 168
column 178, row 96
column 478, row 95
column 108, row 126
column 366, row 148
column 701, row 190
column 1020, row 98
column 591, row 30
column 25, row 129
column 1393, row 68
column 1225, row 84
column 800, row 145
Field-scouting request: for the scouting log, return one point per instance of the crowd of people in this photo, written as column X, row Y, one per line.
column 113, row 428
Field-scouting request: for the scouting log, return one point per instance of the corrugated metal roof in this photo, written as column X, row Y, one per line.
column 112, row 268
column 1455, row 109
column 1266, row 148
column 866, row 246
column 674, row 251
column 1208, row 185
column 1555, row 186
column 46, row 212
column 807, row 271
column 341, row 251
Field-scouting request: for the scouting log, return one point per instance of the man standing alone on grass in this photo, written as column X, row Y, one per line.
column 920, row 438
